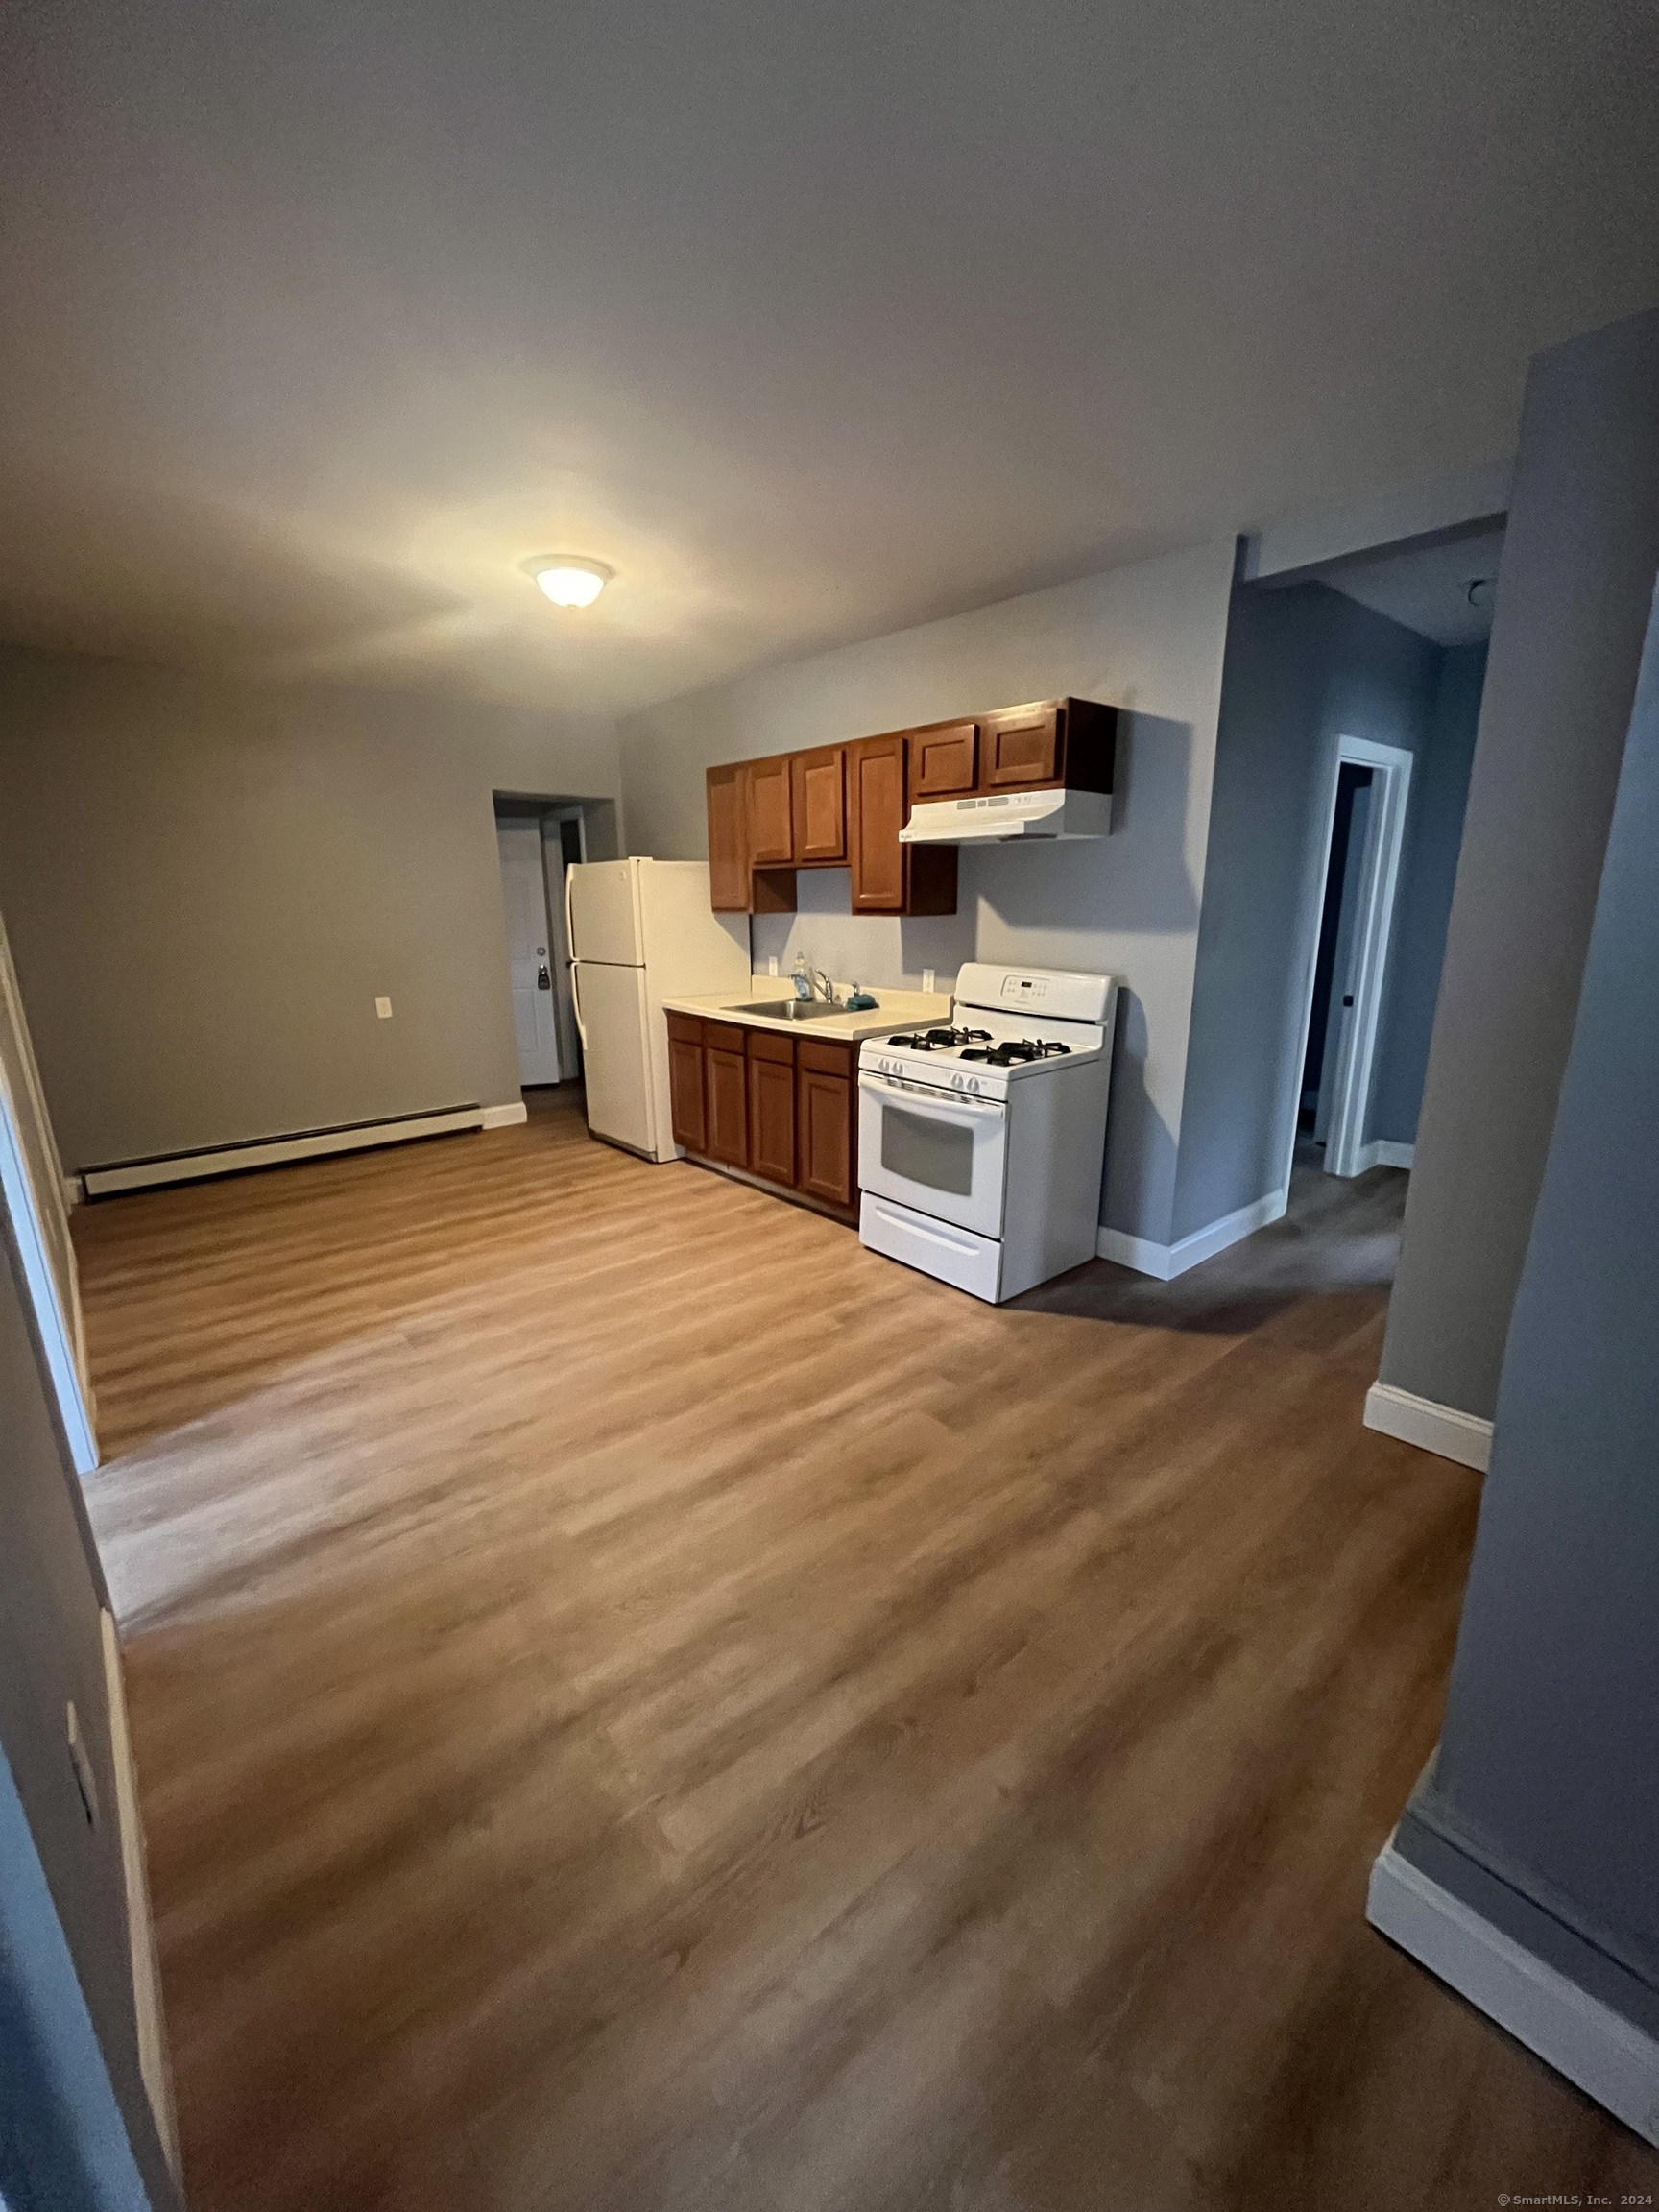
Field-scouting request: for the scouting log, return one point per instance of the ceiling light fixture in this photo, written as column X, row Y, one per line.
column 567, row 578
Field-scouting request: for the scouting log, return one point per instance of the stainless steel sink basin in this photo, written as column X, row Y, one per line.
column 792, row 1010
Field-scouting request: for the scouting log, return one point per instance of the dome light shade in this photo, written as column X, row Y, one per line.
column 569, row 580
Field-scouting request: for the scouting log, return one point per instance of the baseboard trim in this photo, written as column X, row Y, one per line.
column 275, row 1151
column 1605, row 2055
column 1166, row 1261
column 155, row 2068
column 1442, row 1429
column 1385, row 1152
column 505, row 1117
column 74, row 1192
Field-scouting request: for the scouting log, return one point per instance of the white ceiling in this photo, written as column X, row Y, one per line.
column 1446, row 592
column 812, row 321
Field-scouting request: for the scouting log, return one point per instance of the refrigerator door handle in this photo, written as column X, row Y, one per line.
column 576, row 1001
column 569, row 925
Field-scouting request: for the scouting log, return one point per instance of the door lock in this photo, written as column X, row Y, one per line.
column 544, row 981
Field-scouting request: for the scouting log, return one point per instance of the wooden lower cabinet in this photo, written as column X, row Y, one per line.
column 772, row 1108
column 725, row 1094
column 782, row 1109
column 686, row 1090
column 825, row 1141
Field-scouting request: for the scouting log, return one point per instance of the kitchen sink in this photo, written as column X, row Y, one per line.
column 792, row 1010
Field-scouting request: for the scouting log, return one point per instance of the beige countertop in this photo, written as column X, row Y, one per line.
column 892, row 1010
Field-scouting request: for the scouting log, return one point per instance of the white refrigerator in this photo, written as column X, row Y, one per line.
column 641, row 931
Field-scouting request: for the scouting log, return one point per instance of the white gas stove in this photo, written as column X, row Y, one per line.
column 980, row 1144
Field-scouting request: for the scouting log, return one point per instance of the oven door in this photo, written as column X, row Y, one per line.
column 934, row 1150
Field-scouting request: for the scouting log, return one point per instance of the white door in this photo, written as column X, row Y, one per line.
column 603, row 902
column 529, row 951
column 610, row 1011
column 31, row 1191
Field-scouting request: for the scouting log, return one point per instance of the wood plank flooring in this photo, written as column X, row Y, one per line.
column 645, row 1707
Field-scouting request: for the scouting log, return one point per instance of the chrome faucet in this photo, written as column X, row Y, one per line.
column 822, row 987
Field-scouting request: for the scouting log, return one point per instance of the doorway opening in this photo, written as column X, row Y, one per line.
column 1365, row 838
column 536, row 841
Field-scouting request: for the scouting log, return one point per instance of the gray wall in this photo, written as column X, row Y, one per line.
column 62, row 1879
column 1149, row 638
column 1547, row 1783
column 207, row 885
column 1423, row 908
column 1580, row 558
column 1305, row 666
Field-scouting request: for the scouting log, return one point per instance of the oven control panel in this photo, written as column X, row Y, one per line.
column 938, row 1079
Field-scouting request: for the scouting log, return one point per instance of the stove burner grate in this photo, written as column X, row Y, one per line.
column 940, row 1039
column 1016, row 1051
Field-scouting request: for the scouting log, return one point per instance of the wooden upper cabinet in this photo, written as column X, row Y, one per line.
column 727, row 843
column 818, row 804
column 768, row 812
column 1020, row 745
column 944, row 759
column 875, row 816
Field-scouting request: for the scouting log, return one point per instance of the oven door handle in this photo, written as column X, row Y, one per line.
column 955, row 1102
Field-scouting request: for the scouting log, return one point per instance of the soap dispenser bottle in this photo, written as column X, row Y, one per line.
column 801, row 976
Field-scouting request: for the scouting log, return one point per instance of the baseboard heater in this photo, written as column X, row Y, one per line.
column 273, row 1151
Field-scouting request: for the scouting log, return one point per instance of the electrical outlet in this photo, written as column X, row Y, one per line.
column 772, row 965
column 85, row 1780
column 927, row 979
column 383, row 1007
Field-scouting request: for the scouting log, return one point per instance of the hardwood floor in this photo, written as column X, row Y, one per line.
column 644, row 1706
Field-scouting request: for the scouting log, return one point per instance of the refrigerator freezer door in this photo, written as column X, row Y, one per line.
column 688, row 948
column 611, row 1004
column 604, row 908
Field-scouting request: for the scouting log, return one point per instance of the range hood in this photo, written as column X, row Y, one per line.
column 1009, row 818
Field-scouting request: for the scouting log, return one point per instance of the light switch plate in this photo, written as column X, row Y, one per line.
column 383, row 1007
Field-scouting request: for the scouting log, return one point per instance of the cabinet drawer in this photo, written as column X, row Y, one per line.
column 770, row 1045
column 724, row 1036
column 685, row 1028
column 825, row 1058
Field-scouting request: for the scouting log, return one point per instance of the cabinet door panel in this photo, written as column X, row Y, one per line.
column 1021, row 746
column 766, row 810
column 825, row 1136
column 725, row 1105
column 874, row 817
column 944, row 761
column 771, row 1121
column 686, row 1093
column 818, row 788
column 727, row 856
